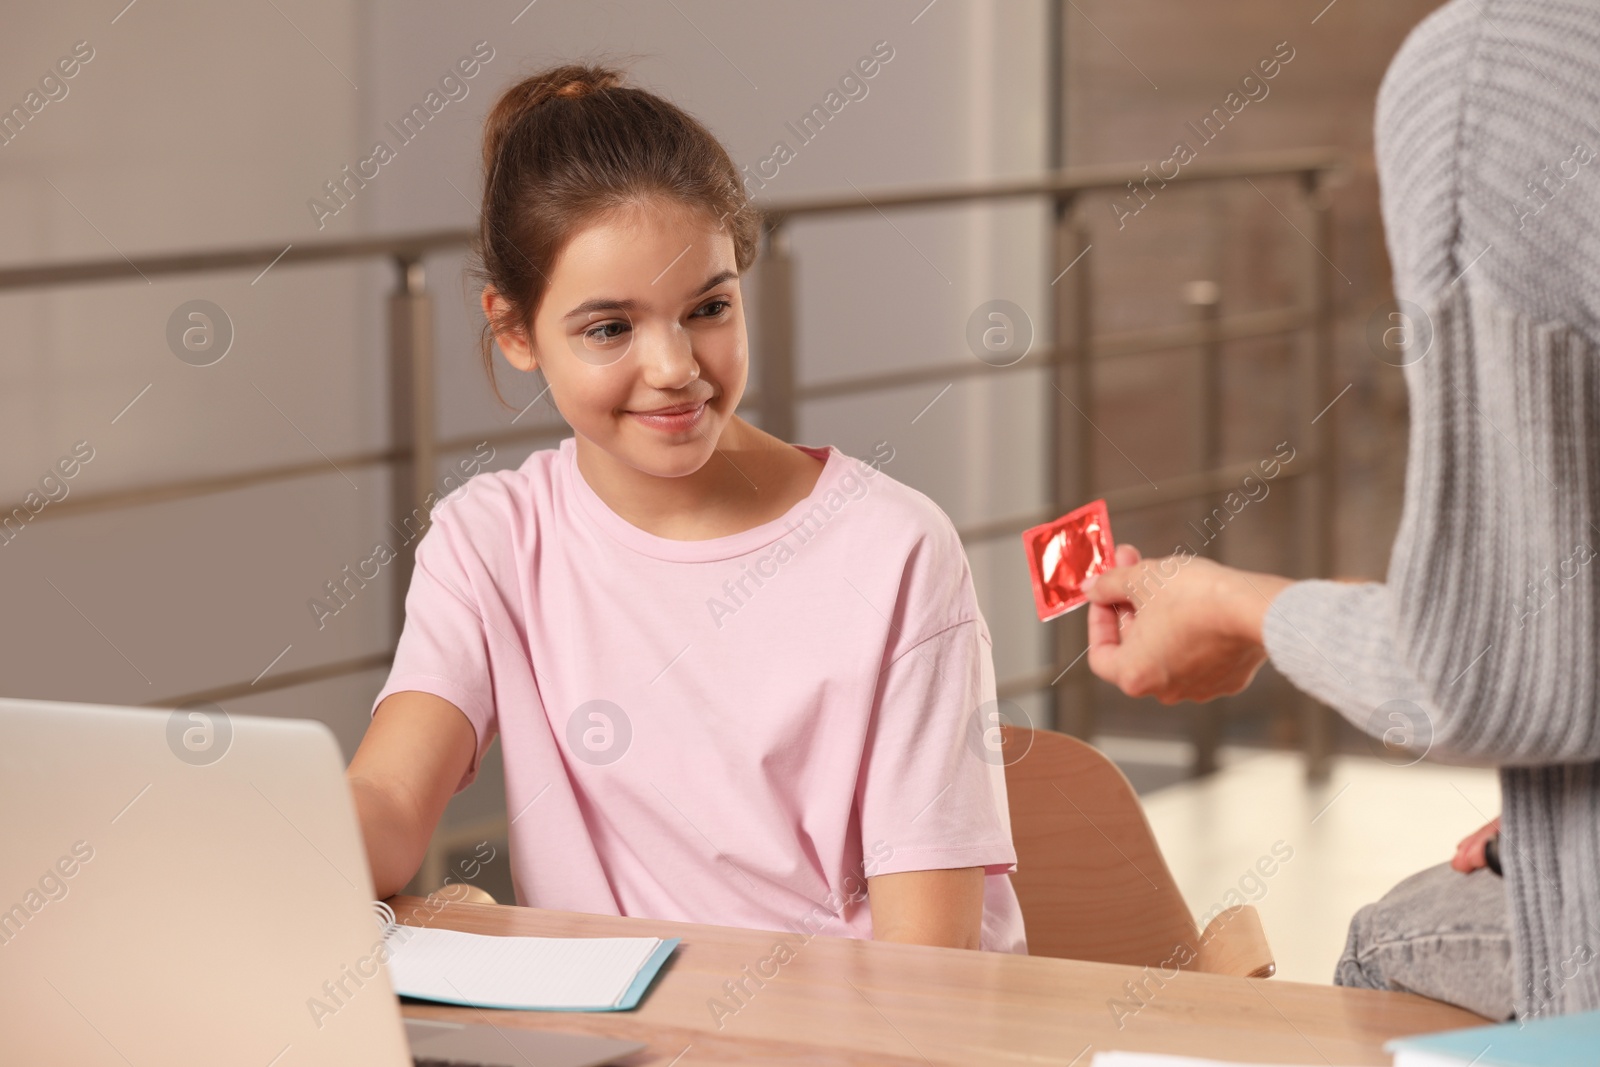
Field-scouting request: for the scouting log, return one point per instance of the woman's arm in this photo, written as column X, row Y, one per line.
column 403, row 774
column 943, row 908
column 1186, row 628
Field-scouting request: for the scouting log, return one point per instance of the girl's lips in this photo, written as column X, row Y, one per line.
column 676, row 422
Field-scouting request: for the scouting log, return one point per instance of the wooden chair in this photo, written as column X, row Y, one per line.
column 1090, row 877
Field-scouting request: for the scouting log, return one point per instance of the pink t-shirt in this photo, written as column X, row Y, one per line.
column 737, row 730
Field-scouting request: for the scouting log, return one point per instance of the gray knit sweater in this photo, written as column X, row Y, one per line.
column 1488, row 157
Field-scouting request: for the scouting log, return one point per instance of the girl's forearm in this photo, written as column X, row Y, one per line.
column 394, row 840
column 941, row 907
column 939, row 934
column 415, row 752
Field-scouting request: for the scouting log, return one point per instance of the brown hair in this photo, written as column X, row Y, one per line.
column 571, row 143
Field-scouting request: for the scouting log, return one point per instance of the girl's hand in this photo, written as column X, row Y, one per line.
column 1177, row 628
column 1470, row 852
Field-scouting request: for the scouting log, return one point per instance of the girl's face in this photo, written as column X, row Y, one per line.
column 641, row 335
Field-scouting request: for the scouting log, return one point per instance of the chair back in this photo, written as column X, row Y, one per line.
column 1090, row 876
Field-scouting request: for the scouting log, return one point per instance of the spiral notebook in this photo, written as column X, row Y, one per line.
column 520, row 973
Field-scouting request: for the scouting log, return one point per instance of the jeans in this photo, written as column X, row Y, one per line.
column 1439, row 933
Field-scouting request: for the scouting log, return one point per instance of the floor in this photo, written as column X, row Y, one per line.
column 1329, row 849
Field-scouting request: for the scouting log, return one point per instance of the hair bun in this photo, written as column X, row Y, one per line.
column 592, row 80
column 572, row 81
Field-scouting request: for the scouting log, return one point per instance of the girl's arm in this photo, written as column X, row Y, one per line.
column 403, row 774
column 943, row 908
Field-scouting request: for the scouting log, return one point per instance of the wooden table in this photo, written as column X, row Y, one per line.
column 839, row 1001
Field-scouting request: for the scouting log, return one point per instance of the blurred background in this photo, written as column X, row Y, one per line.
column 1156, row 340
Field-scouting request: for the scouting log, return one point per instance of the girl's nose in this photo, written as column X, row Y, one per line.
column 667, row 361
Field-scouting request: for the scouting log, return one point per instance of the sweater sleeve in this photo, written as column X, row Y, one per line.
column 1486, row 624
column 1485, row 628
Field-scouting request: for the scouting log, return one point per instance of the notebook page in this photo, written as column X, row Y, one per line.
column 515, row 972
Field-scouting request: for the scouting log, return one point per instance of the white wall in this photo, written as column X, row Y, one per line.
column 198, row 126
column 194, row 126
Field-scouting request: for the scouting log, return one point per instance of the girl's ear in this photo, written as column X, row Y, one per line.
column 515, row 343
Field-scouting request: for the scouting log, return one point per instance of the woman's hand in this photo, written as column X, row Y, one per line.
column 1177, row 628
column 1470, row 852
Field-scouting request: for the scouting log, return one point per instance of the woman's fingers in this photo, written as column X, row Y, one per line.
column 1479, row 837
column 1106, row 659
column 1105, row 624
column 1111, row 604
column 1466, row 860
column 1471, row 852
column 1112, row 586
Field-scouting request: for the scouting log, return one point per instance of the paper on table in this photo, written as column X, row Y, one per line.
column 551, row 973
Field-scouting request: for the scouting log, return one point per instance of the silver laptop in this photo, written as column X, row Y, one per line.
column 191, row 888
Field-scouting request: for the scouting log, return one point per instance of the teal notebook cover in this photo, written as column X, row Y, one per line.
column 647, row 974
column 1568, row 1040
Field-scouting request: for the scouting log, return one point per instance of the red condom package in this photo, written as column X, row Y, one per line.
column 1062, row 553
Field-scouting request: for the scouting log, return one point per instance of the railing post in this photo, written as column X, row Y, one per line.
column 1205, row 297
column 411, row 420
column 1318, row 499
column 775, row 299
column 1071, row 453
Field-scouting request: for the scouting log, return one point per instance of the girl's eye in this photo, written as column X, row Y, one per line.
column 604, row 332
column 714, row 309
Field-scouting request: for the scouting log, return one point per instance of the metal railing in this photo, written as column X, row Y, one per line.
column 1070, row 357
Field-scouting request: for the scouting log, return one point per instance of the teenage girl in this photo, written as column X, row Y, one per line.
column 735, row 680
